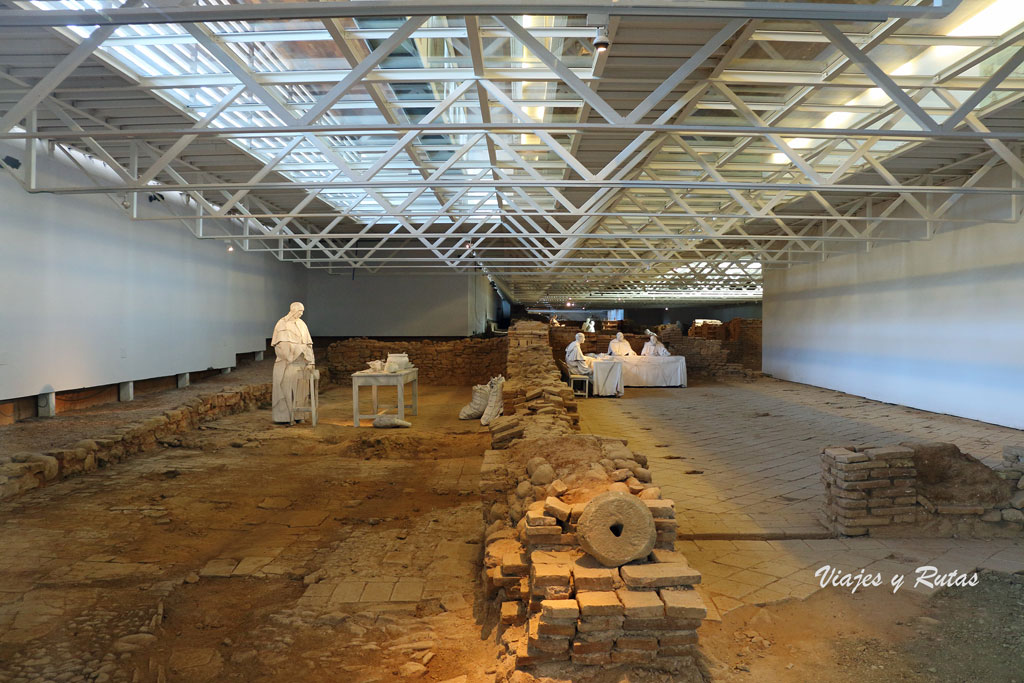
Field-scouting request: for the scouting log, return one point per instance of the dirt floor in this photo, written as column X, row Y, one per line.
column 958, row 635
column 256, row 552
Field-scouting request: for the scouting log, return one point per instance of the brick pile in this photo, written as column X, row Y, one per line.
column 22, row 472
column 878, row 490
column 708, row 329
column 458, row 362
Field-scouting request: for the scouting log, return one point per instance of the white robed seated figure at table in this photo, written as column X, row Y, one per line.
column 578, row 362
column 620, row 347
column 293, row 348
column 653, row 347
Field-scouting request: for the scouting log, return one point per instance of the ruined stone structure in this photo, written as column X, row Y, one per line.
column 454, row 363
column 544, row 491
column 924, row 488
column 740, row 337
column 21, row 472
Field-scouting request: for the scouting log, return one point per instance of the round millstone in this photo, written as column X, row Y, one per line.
column 616, row 528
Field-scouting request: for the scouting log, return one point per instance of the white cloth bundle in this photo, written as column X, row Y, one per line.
column 389, row 422
column 476, row 406
column 495, row 402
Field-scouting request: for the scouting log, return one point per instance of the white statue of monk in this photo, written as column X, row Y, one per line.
column 588, row 326
column 294, row 350
column 654, row 348
column 578, row 362
column 620, row 347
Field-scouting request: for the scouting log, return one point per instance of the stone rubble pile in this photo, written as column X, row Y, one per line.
column 562, row 605
column 22, row 472
column 877, row 490
column 459, row 362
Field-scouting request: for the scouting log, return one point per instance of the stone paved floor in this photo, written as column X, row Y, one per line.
column 741, row 462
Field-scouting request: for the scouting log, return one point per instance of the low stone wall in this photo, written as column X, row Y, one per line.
column 560, row 608
column 921, row 488
column 460, row 362
column 22, row 472
column 535, row 399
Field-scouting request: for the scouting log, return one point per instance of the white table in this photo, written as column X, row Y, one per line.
column 369, row 378
column 653, row 371
column 607, row 377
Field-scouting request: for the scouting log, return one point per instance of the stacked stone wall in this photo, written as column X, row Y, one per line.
column 20, row 472
column 535, row 399
column 459, row 362
column 882, row 491
column 561, row 609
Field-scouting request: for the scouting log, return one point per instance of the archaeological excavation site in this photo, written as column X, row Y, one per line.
column 556, row 341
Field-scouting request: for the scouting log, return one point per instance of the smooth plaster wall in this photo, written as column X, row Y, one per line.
column 936, row 325
column 394, row 305
column 91, row 297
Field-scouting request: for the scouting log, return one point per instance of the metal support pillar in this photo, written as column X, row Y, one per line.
column 126, row 391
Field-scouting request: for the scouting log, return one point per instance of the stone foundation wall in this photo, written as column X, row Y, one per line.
column 560, row 609
column 883, row 490
column 22, row 472
column 460, row 362
column 535, row 400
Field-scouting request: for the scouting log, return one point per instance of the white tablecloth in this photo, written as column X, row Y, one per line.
column 653, row 371
column 608, row 377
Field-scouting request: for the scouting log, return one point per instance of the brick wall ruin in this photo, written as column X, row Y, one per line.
column 459, row 362
column 704, row 357
column 561, row 608
column 22, row 472
column 927, row 488
column 740, row 337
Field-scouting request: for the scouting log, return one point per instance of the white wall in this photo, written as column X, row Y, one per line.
column 90, row 297
column 936, row 325
column 393, row 305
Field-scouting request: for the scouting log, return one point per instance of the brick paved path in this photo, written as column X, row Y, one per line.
column 755, row 446
column 742, row 458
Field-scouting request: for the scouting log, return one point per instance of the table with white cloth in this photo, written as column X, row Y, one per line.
column 653, row 371
column 607, row 378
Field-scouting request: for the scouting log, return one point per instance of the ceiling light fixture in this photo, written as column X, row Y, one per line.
column 601, row 40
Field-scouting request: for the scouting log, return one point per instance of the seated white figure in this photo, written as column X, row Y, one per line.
column 588, row 326
column 620, row 347
column 578, row 362
column 654, row 348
